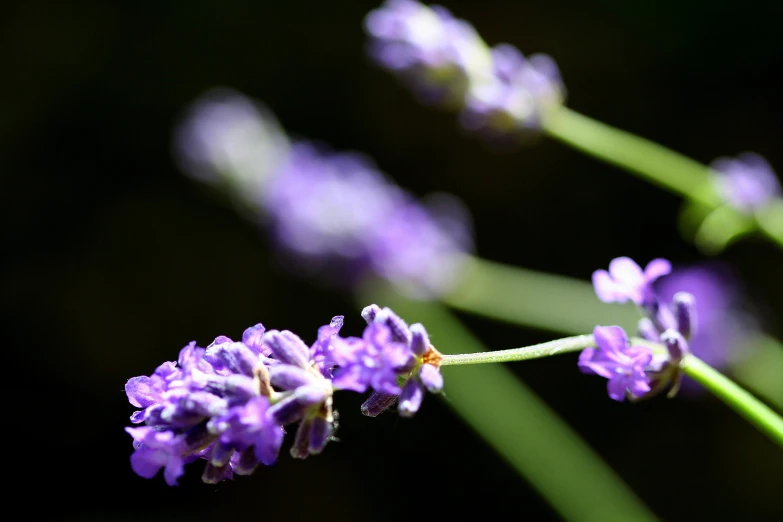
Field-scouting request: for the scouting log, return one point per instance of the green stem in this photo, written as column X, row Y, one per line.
column 643, row 157
column 660, row 165
column 521, row 427
column 748, row 406
column 756, row 412
column 569, row 344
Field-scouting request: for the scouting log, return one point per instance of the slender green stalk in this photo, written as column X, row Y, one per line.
column 748, row 406
column 736, row 397
column 569, row 344
column 565, row 305
column 521, row 427
column 660, row 165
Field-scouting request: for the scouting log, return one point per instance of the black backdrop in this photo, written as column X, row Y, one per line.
column 112, row 260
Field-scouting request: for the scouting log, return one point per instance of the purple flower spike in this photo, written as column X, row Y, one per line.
column 625, row 280
column 747, row 182
column 616, row 360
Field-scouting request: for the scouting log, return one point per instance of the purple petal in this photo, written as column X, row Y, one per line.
column 625, row 271
column 288, row 377
column 605, row 287
column 610, row 338
column 349, row 378
column 300, row 447
column 656, row 268
column 146, row 462
column 431, row 378
column 288, row 348
column 370, row 312
column 253, row 338
column 420, row 341
column 616, row 388
column 235, row 357
column 410, row 398
column 142, row 392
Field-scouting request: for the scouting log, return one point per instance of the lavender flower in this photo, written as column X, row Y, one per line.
column 615, row 359
column 626, row 280
column 438, row 56
column 227, row 404
column 331, row 213
column 443, row 60
column 746, row 182
column 395, row 360
column 227, row 139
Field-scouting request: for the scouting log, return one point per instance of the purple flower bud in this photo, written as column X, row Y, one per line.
column 420, row 341
column 244, row 462
column 295, row 406
column 377, row 403
column 288, row 377
column 400, row 332
column 231, row 356
column 410, row 398
column 684, row 305
column 288, row 348
column 253, row 338
column 676, row 345
column 370, row 312
column 214, row 474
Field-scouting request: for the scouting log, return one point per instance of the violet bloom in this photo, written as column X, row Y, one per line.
column 438, row 56
column 395, row 360
column 501, row 94
column 625, row 281
column 226, row 139
column 208, row 405
column 614, row 359
column 517, row 97
column 746, row 182
column 336, row 212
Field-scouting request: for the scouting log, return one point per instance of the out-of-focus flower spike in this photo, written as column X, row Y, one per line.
column 746, row 182
column 647, row 330
column 684, row 305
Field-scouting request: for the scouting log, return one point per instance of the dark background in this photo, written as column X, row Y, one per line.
column 113, row 260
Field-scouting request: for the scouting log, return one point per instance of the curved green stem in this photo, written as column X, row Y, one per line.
column 748, row 406
column 756, row 412
column 660, row 165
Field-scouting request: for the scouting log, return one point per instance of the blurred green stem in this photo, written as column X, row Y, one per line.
column 520, row 426
column 753, row 410
column 659, row 165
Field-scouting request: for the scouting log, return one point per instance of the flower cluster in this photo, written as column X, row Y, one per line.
column 501, row 94
column 329, row 212
column 231, row 402
column 746, row 182
column 636, row 371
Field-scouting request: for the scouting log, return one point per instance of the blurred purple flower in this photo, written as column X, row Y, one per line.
column 512, row 102
column 227, row 139
column 614, row 359
column 436, row 55
column 747, row 182
column 331, row 213
column 625, row 280
column 443, row 60
column 338, row 211
column 721, row 324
